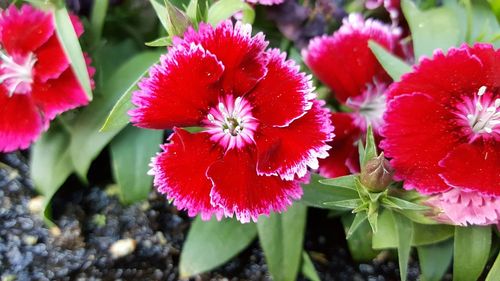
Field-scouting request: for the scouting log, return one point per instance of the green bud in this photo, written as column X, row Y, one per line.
column 376, row 174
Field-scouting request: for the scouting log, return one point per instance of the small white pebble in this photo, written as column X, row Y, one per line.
column 35, row 205
column 55, row 231
column 122, row 248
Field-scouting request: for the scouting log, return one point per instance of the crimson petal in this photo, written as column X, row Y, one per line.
column 179, row 90
column 180, row 172
column 287, row 151
column 239, row 190
column 51, row 60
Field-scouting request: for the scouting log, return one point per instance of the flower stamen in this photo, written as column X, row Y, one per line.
column 16, row 76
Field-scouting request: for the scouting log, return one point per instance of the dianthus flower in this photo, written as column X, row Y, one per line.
column 345, row 63
column 259, row 125
column 393, row 7
column 442, row 131
column 36, row 80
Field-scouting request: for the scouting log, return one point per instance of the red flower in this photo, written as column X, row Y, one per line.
column 260, row 127
column 37, row 82
column 443, row 125
column 345, row 63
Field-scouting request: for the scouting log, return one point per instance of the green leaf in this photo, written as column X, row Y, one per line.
column 131, row 152
column 210, row 244
column 315, row 193
column 495, row 270
column 97, row 18
column 160, row 42
column 360, row 242
column 435, row 259
column 344, row 204
column 173, row 20
column 281, row 237
column 225, row 9
column 471, row 251
column 161, row 13
column 425, row 24
column 370, row 148
column 86, row 140
column 403, row 204
column 359, row 218
column 394, row 66
column 197, row 11
column 50, row 164
column 71, row 45
column 404, row 230
column 424, row 234
column 341, row 182
column 308, row 269
column 495, row 6
column 417, row 216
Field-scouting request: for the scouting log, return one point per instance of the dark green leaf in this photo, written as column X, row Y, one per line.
column 435, row 259
column 131, row 152
column 281, row 237
column 50, row 163
column 212, row 243
column 425, row 24
column 394, row 66
column 471, row 251
column 315, row 193
column 359, row 218
column 341, row 182
column 86, row 140
column 71, row 45
column 424, row 234
column 225, row 9
column 494, row 273
column 308, row 269
column 404, row 230
column 360, row 242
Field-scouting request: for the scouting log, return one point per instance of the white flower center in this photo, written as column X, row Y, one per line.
column 16, row 74
column 370, row 106
column 231, row 123
column 481, row 114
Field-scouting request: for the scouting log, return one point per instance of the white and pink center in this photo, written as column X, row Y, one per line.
column 480, row 115
column 16, row 73
column 231, row 123
column 369, row 107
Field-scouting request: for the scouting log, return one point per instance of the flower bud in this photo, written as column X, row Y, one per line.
column 376, row 175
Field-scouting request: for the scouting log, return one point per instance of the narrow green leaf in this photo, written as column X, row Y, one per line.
column 417, row 216
column 344, row 204
column 359, row 218
column 435, row 259
column 225, row 9
column 308, row 269
column 281, row 237
column 197, row 11
column 424, row 234
column 373, row 216
column 97, row 18
column 370, row 149
column 404, row 229
column 161, row 13
column 494, row 273
column 394, row 66
column 131, row 152
column 71, row 45
column 424, row 24
column 50, row 163
column 471, row 252
column 342, row 182
column 315, row 193
column 210, row 244
column 360, row 242
column 86, row 140
column 386, row 236
column 403, row 204
column 178, row 21
column 160, row 42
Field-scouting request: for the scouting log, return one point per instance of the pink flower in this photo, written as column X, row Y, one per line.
column 260, row 125
column 393, row 7
column 37, row 82
column 345, row 63
column 443, row 130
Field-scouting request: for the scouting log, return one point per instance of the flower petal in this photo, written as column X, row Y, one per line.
column 23, row 31
column 344, row 62
column 179, row 91
column 51, row 60
column 286, row 151
column 59, row 95
column 238, row 189
column 284, row 94
column 474, row 167
column 180, row 172
column 20, row 122
column 417, row 136
column 344, row 152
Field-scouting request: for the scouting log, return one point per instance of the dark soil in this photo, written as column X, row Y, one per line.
column 90, row 220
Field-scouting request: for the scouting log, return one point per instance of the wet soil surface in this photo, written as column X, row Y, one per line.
column 89, row 220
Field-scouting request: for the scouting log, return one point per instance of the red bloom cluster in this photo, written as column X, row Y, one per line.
column 36, row 80
column 345, row 63
column 442, row 131
column 260, row 125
